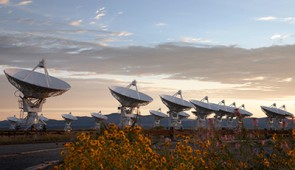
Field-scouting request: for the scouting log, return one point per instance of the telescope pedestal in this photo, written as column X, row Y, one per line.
column 156, row 122
column 271, row 123
column 127, row 118
column 229, row 122
column 32, row 107
column 174, row 120
column 68, row 127
column 217, row 121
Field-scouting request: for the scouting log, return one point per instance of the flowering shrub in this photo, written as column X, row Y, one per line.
column 129, row 148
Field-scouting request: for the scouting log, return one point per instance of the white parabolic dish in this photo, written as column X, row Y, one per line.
column 245, row 112
column 129, row 97
column 33, row 84
column 175, row 103
column 204, row 106
column 43, row 118
column 183, row 114
column 13, row 119
column 99, row 116
column 69, row 117
column 158, row 114
column 275, row 111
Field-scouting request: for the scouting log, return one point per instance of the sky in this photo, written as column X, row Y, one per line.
column 239, row 51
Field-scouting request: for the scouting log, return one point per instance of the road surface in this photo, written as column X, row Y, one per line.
column 22, row 156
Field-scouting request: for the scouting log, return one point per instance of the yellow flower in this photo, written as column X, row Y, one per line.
column 182, row 166
column 274, row 137
column 266, row 162
column 189, row 149
column 163, row 159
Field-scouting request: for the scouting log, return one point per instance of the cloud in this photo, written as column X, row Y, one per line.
column 76, row 22
column 279, row 37
column 286, row 80
column 248, row 72
column 161, row 24
column 4, row 2
column 100, row 13
column 121, row 34
column 268, row 18
column 254, row 78
column 290, row 20
column 194, row 40
column 25, row 2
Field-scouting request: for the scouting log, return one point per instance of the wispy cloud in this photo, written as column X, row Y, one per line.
column 121, row 34
column 100, row 13
column 279, row 37
column 76, row 22
column 286, row 80
column 25, row 2
column 255, row 78
column 194, row 40
column 161, row 24
column 290, row 20
column 4, row 2
column 267, row 18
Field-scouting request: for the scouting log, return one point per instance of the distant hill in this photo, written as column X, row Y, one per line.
column 145, row 121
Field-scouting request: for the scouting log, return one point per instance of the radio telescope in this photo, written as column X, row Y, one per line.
column 99, row 118
column 175, row 105
column 203, row 109
column 241, row 113
column 14, row 122
column 272, row 112
column 181, row 116
column 223, row 110
column 69, row 118
column 219, row 113
column 130, row 101
column 33, row 89
column 158, row 115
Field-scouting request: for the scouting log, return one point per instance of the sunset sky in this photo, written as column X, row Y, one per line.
column 240, row 51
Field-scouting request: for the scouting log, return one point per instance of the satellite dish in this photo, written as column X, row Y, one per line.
column 129, row 99
column 14, row 122
column 203, row 109
column 34, row 87
column 158, row 115
column 99, row 118
column 34, row 84
column 183, row 115
column 224, row 110
column 243, row 112
column 68, row 118
column 272, row 112
column 175, row 105
column 13, row 119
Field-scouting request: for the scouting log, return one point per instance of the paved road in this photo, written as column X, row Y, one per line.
column 22, row 156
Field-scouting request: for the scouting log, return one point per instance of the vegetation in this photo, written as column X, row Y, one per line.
column 34, row 137
column 130, row 148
